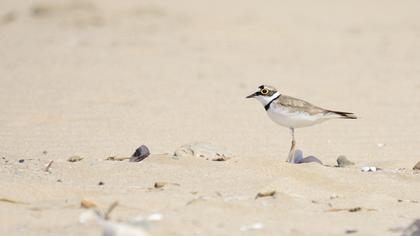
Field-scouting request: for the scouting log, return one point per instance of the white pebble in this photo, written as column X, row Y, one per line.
column 255, row 226
column 369, row 169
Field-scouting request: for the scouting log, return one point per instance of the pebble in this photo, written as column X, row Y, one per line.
column 268, row 193
column 356, row 209
column 380, row 145
column 342, row 161
column 254, row 226
column 204, row 150
column 21, row 160
column 87, row 204
column 140, row 154
column 369, row 169
column 101, row 183
column 159, row 184
column 74, row 158
column 351, row 231
column 417, row 166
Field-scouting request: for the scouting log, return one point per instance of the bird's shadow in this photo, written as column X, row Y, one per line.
column 299, row 159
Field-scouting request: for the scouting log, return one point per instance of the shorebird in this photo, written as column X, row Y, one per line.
column 293, row 112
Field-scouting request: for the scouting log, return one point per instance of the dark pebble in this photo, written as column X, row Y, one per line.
column 101, row 183
column 140, row 154
column 351, row 231
column 21, row 160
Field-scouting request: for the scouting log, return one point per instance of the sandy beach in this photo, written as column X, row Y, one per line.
column 97, row 78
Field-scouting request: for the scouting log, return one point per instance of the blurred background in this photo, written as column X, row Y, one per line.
column 100, row 77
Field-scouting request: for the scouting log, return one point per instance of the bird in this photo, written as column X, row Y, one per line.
column 293, row 112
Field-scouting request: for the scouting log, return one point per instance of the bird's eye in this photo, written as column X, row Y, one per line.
column 264, row 91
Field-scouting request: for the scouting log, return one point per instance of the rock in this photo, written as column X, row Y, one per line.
column 101, row 183
column 370, row 169
column 255, row 226
column 355, row 209
column 268, row 193
column 380, row 145
column 115, row 158
column 21, row 160
column 159, row 184
column 87, row 204
column 417, row 166
column 342, row 161
column 74, row 158
column 140, row 154
column 204, row 150
column 351, row 231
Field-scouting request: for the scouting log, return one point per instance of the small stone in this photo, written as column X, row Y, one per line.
column 370, row 169
column 268, row 193
column 220, row 158
column 87, row 204
column 45, row 152
column 417, row 166
column 355, row 209
column 351, row 231
column 101, row 183
column 159, row 184
column 115, row 158
column 342, row 161
column 74, row 158
column 203, row 150
column 255, row 226
column 21, row 160
column 140, row 154
column 59, row 180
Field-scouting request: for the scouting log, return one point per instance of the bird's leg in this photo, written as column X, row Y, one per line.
column 292, row 148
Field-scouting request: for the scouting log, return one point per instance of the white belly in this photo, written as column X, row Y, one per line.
column 294, row 119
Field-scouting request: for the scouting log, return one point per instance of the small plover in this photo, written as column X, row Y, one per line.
column 293, row 112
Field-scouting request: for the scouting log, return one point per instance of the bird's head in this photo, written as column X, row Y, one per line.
column 265, row 94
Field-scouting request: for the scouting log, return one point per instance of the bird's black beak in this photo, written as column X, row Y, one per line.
column 252, row 95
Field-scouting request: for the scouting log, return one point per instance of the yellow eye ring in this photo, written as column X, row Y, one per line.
column 264, row 91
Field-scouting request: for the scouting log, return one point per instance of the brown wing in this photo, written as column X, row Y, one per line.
column 298, row 105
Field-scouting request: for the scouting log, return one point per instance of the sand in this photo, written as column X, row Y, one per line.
column 99, row 78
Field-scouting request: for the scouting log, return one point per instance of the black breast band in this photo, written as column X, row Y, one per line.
column 268, row 104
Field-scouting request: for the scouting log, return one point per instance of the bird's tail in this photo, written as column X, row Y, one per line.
column 341, row 114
